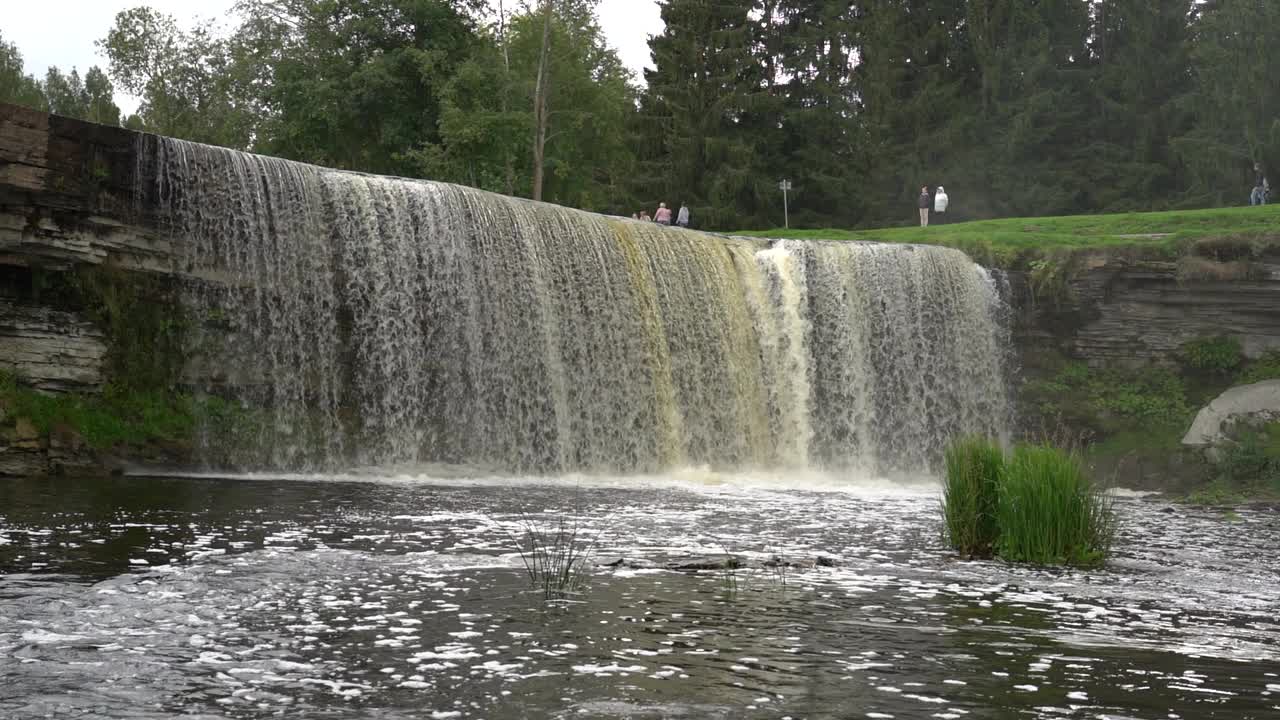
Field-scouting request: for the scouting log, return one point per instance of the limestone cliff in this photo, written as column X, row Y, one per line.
column 1119, row 307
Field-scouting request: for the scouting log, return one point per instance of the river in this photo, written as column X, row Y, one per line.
column 367, row 596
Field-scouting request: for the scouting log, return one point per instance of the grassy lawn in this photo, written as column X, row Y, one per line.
column 1004, row 240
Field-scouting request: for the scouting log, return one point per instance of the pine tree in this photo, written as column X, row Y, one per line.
column 1140, row 48
column 1234, row 102
column 809, row 54
column 696, row 139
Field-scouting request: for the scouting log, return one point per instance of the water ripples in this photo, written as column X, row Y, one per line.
column 206, row 598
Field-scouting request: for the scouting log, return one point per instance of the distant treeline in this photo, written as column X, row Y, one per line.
column 1019, row 107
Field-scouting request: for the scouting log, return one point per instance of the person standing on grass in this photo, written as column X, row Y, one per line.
column 663, row 215
column 682, row 217
column 924, row 203
column 940, row 202
column 1261, row 187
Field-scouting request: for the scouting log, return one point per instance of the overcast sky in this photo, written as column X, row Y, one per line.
column 62, row 32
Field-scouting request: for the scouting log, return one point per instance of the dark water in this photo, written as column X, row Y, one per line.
column 160, row 598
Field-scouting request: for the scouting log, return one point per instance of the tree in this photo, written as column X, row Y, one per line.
column 542, row 88
column 809, row 53
column 1142, row 76
column 919, row 83
column 489, row 116
column 351, row 83
column 16, row 86
column 1234, row 101
column 89, row 99
column 696, row 126
column 185, row 78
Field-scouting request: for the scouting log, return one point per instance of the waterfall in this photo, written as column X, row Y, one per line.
column 373, row 320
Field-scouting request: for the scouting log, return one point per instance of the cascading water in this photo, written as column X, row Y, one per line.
column 384, row 321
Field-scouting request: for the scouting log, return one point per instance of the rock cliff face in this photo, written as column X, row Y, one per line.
column 1122, row 309
column 74, row 195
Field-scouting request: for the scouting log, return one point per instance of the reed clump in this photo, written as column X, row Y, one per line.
column 970, row 496
column 557, row 555
column 1036, row 505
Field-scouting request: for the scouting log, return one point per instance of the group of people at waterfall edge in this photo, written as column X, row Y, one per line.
column 933, row 205
column 662, row 216
column 938, row 201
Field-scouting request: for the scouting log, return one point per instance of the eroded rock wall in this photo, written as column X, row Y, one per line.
column 1122, row 310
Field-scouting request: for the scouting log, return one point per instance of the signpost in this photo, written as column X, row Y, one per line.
column 785, row 186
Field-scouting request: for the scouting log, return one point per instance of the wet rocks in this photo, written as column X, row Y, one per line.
column 722, row 563
column 25, row 434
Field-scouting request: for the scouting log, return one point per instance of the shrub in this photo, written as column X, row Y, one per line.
column 1049, row 512
column 1265, row 368
column 970, row 495
column 1252, row 461
column 1213, row 354
column 1151, row 397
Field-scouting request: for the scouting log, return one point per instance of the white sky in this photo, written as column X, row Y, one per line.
column 62, row 32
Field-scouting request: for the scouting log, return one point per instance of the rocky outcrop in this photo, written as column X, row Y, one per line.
column 70, row 195
column 53, row 350
column 1118, row 309
column 1257, row 401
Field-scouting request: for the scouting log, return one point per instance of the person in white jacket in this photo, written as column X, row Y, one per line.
column 940, row 202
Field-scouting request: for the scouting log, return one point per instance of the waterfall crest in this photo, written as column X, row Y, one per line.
column 385, row 321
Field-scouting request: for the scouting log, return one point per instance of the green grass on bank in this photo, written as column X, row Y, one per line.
column 1004, row 240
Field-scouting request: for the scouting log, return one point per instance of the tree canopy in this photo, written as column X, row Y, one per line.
column 1018, row 107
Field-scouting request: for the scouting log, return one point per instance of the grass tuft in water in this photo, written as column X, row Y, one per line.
column 557, row 556
column 971, row 495
column 1049, row 512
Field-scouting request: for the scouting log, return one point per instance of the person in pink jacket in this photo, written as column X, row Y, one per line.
column 663, row 215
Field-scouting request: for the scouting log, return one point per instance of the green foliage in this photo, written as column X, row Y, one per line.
column 1019, row 108
column 1037, row 506
column 112, row 419
column 487, row 119
column 970, row 496
column 1112, row 400
column 145, row 337
column 1050, row 513
column 1213, row 354
column 1156, row 397
column 16, row 86
column 702, row 135
column 1050, row 279
column 127, row 417
column 1253, row 459
column 1245, row 468
column 187, row 80
column 89, row 99
column 1265, row 368
column 1217, row 493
